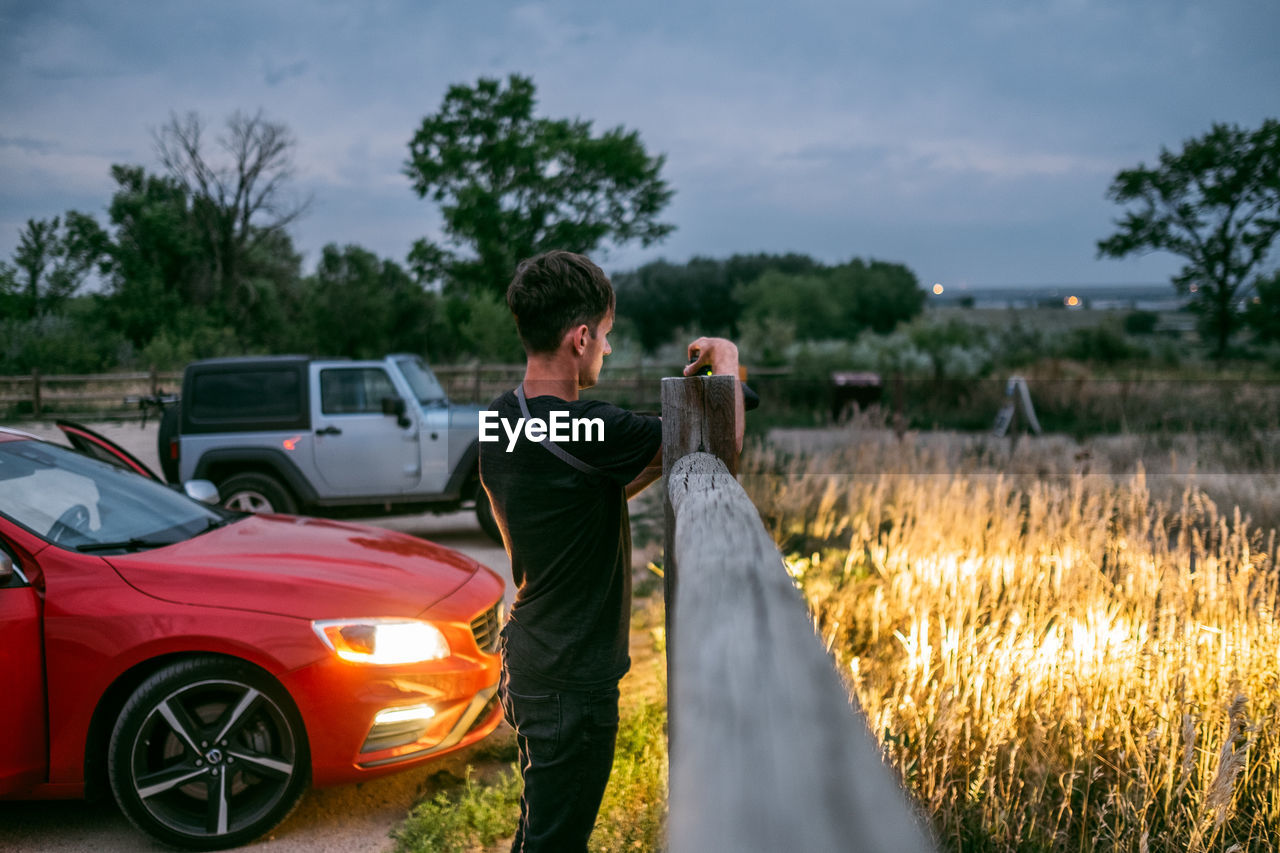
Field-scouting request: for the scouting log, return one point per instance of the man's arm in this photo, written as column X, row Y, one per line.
column 651, row 472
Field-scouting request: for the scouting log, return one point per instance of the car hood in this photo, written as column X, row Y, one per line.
column 304, row 567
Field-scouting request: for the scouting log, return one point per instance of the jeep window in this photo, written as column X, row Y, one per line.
column 250, row 394
column 423, row 382
column 354, row 390
column 80, row 503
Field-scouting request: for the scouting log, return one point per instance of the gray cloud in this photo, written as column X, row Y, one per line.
column 274, row 75
column 29, row 144
column 972, row 140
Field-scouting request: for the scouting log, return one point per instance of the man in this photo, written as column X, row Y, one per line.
column 562, row 508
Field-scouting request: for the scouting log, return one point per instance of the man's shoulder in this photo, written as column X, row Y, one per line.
column 605, row 409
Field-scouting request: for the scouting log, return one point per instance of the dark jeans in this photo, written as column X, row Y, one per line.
column 566, row 742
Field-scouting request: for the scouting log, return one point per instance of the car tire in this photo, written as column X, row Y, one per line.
column 208, row 753
column 256, row 492
column 484, row 515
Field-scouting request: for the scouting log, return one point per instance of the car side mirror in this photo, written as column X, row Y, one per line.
column 203, row 491
column 395, row 406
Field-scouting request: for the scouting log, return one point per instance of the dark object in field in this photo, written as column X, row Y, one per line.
column 850, row 388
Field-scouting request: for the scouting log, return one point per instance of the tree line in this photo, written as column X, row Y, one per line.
column 195, row 257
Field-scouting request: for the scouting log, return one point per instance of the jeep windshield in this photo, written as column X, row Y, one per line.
column 423, row 382
column 84, row 504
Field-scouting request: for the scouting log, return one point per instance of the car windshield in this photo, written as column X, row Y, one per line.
column 423, row 382
column 83, row 504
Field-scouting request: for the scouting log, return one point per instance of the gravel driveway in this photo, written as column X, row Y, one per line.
column 348, row 819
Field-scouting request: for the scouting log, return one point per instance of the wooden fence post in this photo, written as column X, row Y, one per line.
column 697, row 415
column 35, row 392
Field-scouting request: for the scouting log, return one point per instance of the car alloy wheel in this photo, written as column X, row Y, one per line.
column 208, row 753
column 246, row 500
column 255, row 492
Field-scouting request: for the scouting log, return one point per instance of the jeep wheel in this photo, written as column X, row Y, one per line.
column 484, row 515
column 254, row 492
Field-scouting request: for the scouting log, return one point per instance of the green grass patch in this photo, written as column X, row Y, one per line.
column 470, row 815
column 473, row 815
column 633, row 815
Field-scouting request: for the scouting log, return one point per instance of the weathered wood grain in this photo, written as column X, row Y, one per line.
column 697, row 415
column 767, row 751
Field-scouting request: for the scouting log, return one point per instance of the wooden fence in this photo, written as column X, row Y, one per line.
column 767, row 750
column 110, row 395
column 114, row 395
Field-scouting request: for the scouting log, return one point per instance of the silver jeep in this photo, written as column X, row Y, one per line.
column 328, row 437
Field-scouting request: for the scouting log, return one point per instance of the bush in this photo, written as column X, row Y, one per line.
column 1140, row 322
column 1103, row 344
column 58, row 343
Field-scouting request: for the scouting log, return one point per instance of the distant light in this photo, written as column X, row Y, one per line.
column 937, row 289
column 1194, row 288
column 1257, row 300
column 1071, row 301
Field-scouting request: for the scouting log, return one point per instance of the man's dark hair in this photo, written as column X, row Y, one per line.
column 553, row 292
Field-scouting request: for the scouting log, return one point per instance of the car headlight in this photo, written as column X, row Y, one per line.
column 382, row 641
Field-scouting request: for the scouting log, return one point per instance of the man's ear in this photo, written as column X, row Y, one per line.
column 580, row 334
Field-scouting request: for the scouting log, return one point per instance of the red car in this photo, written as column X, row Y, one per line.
column 206, row 665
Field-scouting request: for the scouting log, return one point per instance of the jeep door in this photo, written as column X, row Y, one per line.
column 438, row 439
column 359, row 451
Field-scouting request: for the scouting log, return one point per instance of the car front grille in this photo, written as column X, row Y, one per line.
column 487, row 626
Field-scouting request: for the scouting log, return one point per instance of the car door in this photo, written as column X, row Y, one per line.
column 23, row 735
column 359, row 451
column 99, row 447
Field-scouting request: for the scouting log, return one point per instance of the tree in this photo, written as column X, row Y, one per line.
column 157, row 275
column 660, row 297
column 51, row 261
column 240, row 202
column 1217, row 204
column 511, row 185
column 361, row 306
column 835, row 302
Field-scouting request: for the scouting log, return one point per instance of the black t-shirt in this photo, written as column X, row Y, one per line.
column 569, row 538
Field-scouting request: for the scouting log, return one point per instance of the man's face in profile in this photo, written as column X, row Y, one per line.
column 597, row 348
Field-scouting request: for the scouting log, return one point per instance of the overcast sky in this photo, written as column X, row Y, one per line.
column 973, row 141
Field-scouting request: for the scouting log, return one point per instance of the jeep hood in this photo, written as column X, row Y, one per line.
column 304, row 567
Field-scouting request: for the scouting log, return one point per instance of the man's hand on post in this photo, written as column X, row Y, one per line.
column 722, row 355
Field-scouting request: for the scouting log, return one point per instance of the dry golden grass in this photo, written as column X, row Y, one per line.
column 1055, row 654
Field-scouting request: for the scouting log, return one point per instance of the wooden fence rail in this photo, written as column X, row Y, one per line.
column 37, row 396
column 768, row 751
column 98, row 394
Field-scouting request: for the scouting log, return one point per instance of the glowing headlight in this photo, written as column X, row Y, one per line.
column 382, row 641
